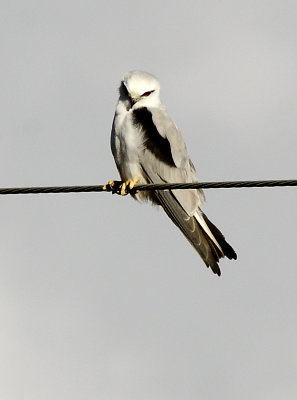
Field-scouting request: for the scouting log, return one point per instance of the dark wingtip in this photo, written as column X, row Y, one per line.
column 229, row 251
column 214, row 267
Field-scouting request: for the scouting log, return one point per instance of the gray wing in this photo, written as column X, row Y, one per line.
column 165, row 153
column 165, row 159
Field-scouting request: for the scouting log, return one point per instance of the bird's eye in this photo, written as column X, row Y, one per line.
column 145, row 94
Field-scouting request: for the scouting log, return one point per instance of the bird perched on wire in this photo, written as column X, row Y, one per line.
column 148, row 148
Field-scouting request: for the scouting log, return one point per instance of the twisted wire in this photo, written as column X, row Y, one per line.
column 159, row 186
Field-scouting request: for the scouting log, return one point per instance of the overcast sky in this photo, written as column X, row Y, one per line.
column 101, row 297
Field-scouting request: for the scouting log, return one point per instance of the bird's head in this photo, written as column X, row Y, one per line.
column 141, row 89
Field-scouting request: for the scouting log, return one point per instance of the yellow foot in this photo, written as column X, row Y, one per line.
column 120, row 187
column 108, row 185
column 128, row 185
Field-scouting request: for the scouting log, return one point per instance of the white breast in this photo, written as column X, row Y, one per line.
column 128, row 143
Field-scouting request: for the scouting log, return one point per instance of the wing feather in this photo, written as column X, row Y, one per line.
column 171, row 162
column 188, row 224
column 164, row 158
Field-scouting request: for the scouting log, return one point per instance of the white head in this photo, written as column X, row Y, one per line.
column 140, row 88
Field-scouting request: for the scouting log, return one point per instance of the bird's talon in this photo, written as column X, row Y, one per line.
column 113, row 186
column 108, row 186
column 124, row 191
column 120, row 187
column 132, row 183
column 128, row 186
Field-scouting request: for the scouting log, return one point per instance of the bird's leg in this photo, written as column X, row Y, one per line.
column 120, row 187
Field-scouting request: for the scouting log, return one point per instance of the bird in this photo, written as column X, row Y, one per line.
column 148, row 147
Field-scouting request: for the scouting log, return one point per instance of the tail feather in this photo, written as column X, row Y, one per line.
column 207, row 240
column 224, row 245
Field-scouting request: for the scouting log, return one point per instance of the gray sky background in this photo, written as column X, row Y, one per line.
column 103, row 298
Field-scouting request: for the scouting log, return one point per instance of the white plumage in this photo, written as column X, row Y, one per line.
column 147, row 145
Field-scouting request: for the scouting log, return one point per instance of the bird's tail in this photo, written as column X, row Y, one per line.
column 218, row 245
column 203, row 235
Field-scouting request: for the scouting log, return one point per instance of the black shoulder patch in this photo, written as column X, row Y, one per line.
column 154, row 142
